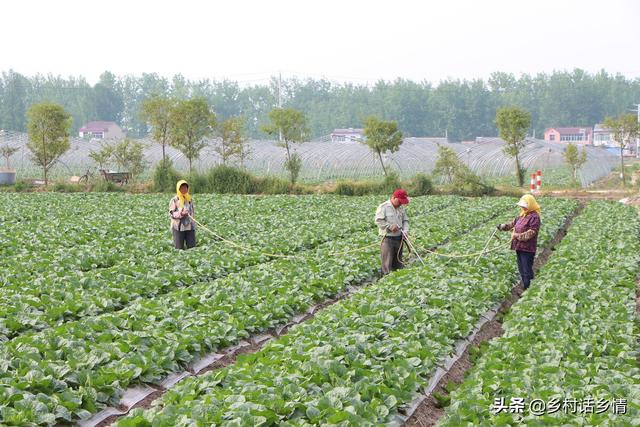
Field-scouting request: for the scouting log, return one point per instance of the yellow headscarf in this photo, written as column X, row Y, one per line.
column 533, row 206
column 186, row 198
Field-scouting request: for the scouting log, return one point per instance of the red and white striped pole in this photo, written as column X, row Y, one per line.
column 533, row 182
column 539, row 183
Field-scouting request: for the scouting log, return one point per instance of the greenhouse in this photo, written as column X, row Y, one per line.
column 325, row 161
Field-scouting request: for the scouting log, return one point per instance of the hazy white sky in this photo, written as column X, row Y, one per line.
column 359, row 41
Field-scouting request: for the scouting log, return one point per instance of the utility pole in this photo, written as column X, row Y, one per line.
column 638, row 138
column 636, row 110
column 280, row 102
column 279, row 90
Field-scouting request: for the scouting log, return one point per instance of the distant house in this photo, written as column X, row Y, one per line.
column 576, row 135
column 603, row 137
column 101, row 130
column 347, row 135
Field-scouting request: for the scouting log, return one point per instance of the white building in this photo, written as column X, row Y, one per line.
column 347, row 135
column 603, row 137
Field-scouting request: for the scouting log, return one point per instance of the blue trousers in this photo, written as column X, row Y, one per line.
column 525, row 267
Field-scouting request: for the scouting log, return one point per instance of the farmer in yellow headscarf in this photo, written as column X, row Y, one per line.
column 524, row 236
column 181, row 212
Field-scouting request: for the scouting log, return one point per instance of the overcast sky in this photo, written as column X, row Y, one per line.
column 359, row 41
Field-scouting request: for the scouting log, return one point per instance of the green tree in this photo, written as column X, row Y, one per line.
column 48, row 127
column 624, row 130
column 451, row 170
column 156, row 113
column 575, row 159
column 382, row 136
column 109, row 98
column 102, row 156
column 7, row 151
column 446, row 164
column 462, row 108
column 232, row 140
column 129, row 156
column 291, row 127
column 513, row 124
column 244, row 152
column 14, row 100
column 190, row 122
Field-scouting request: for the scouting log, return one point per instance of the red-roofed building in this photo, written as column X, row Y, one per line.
column 101, row 130
column 575, row 135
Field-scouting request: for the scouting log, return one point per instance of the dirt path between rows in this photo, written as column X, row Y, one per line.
column 429, row 411
column 585, row 195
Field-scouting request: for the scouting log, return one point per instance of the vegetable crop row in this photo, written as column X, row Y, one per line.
column 571, row 340
column 361, row 360
column 73, row 369
column 36, row 300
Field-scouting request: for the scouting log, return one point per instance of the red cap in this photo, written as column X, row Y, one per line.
column 401, row 195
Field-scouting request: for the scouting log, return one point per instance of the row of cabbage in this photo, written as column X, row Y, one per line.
column 364, row 359
column 71, row 370
column 569, row 352
column 126, row 241
column 95, row 224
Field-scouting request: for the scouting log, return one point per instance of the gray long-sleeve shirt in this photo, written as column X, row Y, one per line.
column 387, row 215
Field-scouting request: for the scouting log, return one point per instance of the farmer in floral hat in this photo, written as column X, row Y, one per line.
column 524, row 236
column 181, row 211
column 392, row 222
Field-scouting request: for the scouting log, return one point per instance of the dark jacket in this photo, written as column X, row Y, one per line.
column 526, row 230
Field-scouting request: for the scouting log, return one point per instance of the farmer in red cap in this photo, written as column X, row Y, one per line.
column 392, row 222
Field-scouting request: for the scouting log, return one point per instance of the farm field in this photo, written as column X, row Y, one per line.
column 94, row 300
column 571, row 343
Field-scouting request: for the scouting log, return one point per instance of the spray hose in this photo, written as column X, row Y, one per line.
column 485, row 250
column 412, row 248
column 250, row 249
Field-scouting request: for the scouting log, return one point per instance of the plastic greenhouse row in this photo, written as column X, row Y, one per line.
column 351, row 159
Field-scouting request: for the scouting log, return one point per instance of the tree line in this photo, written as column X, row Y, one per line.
column 460, row 109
